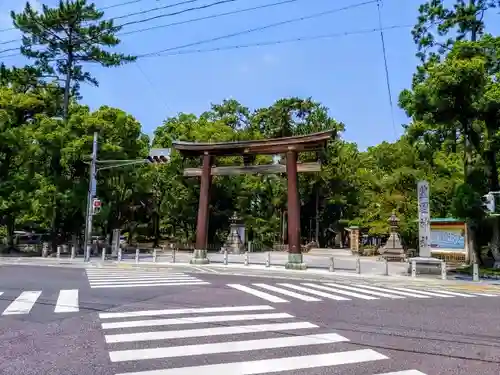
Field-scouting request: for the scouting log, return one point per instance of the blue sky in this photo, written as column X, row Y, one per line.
column 344, row 73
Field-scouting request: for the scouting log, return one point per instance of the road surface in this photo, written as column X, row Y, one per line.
column 110, row 321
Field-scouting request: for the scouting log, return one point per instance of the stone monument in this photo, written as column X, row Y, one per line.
column 393, row 250
column 234, row 243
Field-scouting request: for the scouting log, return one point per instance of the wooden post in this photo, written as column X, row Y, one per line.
column 200, row 251
column 294, row 250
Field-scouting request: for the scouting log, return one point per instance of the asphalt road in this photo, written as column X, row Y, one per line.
column 433, row 334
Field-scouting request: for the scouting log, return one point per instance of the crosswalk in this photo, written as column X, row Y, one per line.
column 316, row 292
column 22, row 304
column 127, row 278
column 185, row 341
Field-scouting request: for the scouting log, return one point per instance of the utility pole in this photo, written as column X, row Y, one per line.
column 90, row 198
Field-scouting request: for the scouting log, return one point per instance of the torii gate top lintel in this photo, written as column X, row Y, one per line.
column 301, row 143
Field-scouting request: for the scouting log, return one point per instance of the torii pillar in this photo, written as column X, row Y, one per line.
column 295, row 259
column 200, row 251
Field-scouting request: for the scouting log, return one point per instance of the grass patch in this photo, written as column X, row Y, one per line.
column 483, row 271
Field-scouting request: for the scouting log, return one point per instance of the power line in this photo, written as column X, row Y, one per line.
column 275, row 42
column 284, row 2
column 384, row 54
column 101, row 9
column 265, row 27
column 206, row 6
column 282, row 41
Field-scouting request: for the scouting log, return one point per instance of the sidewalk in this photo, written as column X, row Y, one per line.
column 257, row 270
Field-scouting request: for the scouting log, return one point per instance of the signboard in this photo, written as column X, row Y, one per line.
column 96, row 206
column 424, row 225
column 448, row 236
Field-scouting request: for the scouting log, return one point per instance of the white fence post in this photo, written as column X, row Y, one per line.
column 443, row 271
column 386, row 267
column 247, row 260
column 119, row 254
column 413, row 268
column 73, row 252
column 225, row 257
column 475, row 272
column 358, row 265
column 137, row 256
column 104, row 253
column 268, row 260
column 58, row 254
column 154, row 255
column 332, row 264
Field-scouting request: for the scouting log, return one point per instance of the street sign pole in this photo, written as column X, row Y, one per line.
column 90, row 199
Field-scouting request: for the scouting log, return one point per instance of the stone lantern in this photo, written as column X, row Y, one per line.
column 234, row 243
column 393, row 250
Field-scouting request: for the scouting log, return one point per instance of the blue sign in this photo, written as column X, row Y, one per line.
column 447, row 239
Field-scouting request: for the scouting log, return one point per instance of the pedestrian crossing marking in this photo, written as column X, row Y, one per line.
column 370, row 292
column 67, row 302
column 310, row 292
column 197, row 319
column 121, row 349
column 225, row 347
column 257, row 293
column 345, row 292
column 315, row 292
column 405, row 372
column 22, row 304
column 127, row 278
column 201, row 332
column 198, row 310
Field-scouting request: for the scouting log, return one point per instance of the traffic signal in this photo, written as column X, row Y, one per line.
column 488, row 203
column 96, row 206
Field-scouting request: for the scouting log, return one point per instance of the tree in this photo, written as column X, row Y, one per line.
column 62, row 39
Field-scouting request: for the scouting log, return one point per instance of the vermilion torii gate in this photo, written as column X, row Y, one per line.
column 208, row 152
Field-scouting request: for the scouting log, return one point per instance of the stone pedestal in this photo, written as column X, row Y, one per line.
column 295, row 262
column 199, row 257
column 234, row 243
column 426, row 265
column 393, row 250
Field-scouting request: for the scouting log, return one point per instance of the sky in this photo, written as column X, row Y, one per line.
column 344, row 72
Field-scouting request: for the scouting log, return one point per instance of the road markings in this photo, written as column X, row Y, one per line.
column 67, row 301
column 314, row 292
column 201, row 310
column 370, row 292
column 202, row 345
column 123, row 278
column 197, row 319
column 22, row 304
column 201, row 332
column 258, row 293
column 405, row 372
column 400, row 292
column 288, row 293
column 344, row 292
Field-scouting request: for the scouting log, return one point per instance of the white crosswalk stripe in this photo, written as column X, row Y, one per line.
column 202, row 343
column 126, row 278
column 339, row 292
column 23, row 304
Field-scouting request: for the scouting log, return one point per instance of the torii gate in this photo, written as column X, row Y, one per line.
column 290, row 146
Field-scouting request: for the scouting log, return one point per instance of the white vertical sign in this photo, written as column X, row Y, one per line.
column 424, row 216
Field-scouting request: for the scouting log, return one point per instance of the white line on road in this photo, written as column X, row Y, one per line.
column 372, row 292
column 201, row 310
column 67, row 301
column 142, row 281
column 432, row 294
column 202, row 332
column 225, row 347
column 142, row 285
column 288, row 293
column 204, row 269
column 194, row 320
column 453, row 293
column 258, row 293
column 407, row 294
column 344, row 292
column 405, row 372
column 273, row 365
column 315, row 292
column 22, row 304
